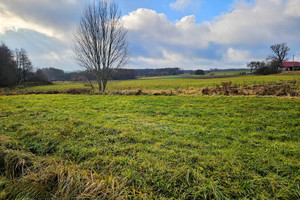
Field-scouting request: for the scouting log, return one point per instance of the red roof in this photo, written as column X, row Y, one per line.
column 290, row 64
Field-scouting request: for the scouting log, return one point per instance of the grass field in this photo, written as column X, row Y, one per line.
column 235, row 72
column 150, row 147
column 171, row 82
column 212, row 74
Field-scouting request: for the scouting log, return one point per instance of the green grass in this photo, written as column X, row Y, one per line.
column 59, row 85
column 227, row 73
column 212, row 74
column 175, row 83
column 178, row 147
column 172, row 82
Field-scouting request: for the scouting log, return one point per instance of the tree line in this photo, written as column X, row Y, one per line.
column 273, row 63
column 159, row 72
column 54, row 74
column 16, row 67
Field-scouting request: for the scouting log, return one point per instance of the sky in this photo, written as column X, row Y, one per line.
column 189, row 34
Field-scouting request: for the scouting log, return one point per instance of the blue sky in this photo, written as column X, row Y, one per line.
column 202, row 9
column 190, row 34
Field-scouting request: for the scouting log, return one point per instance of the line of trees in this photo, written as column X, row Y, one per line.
column 16, row 67
column 159, row 72
column 273, row 62
column 54, row 74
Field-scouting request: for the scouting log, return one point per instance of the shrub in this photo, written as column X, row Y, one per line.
column 199, row 72
column 262, row 68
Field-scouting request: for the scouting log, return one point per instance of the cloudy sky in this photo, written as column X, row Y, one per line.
column 190, row 34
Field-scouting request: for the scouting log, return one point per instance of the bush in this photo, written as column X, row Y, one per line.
column 199, row 72
column 262, row 68
column 265, row 69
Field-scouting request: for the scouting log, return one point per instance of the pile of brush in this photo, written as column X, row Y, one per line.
column 282, row 88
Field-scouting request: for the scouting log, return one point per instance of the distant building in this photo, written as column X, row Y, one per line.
column 288, row 66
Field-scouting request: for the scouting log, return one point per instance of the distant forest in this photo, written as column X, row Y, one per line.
column 54, row 74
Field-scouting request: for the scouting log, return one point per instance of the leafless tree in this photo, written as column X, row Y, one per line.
column 101, row 41
column 280, row 53
column 24, row 65
column 253, row 65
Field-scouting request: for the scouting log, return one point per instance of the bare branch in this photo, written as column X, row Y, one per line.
column 280, row 51
column 101, row 41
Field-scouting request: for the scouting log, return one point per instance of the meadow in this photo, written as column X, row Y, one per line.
column 164, row 83
column 150, row 147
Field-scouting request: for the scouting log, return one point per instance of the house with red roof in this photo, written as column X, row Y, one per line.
column 288, row 66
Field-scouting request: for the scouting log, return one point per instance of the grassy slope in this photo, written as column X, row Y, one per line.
column 178, row 147
column 171, row 83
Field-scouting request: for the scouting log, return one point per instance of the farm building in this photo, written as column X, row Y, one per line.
column 288, row 66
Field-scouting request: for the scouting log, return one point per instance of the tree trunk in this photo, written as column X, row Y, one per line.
column 100, row 86
column 104, row 85
column 91, row 84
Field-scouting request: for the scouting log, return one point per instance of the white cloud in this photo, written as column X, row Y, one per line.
column 150, row 26
column 236, row 56
column 239, row 34
column 234, row 37
column 181, row 4
column 52, row 18
column 175, row 59
column 44, row 28
column 264, row 22
column 174, row 44
column 9, row 21
column 168, row 59
column 293, row 8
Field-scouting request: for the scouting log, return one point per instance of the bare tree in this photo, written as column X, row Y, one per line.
column 280, row 53
column 253, row 65
column 101, row 41
column 24, row 65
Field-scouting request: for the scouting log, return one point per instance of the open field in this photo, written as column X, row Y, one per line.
column 149, row 147
column 212, row 74
column 226, row 73
column 152, row 147
column 172, row 82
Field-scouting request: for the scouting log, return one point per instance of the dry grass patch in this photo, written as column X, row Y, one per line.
column 281, row 88
column 27, row 176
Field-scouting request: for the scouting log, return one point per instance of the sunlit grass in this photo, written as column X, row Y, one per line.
column 180, row 147
column 177, row 82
